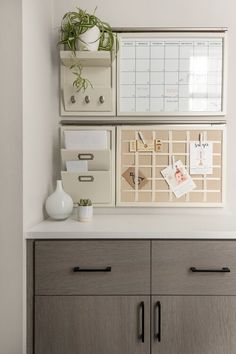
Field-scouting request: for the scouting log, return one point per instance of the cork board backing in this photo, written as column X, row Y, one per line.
column 175, row 140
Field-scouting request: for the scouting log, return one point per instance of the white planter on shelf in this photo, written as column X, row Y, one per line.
column 85, row 213
column 89, row 40
column 59, row 204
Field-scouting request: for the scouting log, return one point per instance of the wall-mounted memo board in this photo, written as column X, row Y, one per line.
column 144, row 151
column 171, row 74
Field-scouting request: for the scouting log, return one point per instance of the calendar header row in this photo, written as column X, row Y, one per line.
column 147, row 42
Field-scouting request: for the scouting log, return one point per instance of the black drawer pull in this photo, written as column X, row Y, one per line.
column 78, row 269
column 200, row 270
column 85, row 156
column 86, row 178
column 157, row 321
column 142, row 321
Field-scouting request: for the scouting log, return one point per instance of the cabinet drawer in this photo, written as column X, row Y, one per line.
column 97, row 160
column 95, row 185
column 92, row 267
column 194, row 267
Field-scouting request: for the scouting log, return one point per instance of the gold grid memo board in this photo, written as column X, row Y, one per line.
column 175, row 139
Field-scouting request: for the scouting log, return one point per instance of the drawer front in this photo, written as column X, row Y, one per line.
column 194, row 267
column 95, row 185
column 92, row 267
column 97, row 160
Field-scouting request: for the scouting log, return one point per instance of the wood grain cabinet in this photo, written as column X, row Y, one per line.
column 131, row 296
column 92, row 267
column 92, row 324
column 194, row 325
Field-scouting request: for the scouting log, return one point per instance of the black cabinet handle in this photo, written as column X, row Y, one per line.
column 157, row 321
column 202, row 270
column 142, row 322
column 78, row 269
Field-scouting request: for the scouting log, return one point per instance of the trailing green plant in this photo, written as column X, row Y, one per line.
column 85, row 202
column 80, row 83
column 75, row 23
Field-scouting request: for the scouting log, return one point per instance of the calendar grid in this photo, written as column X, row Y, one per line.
column 174, row 75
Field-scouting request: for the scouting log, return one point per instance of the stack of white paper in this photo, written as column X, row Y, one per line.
column 86, row 140
column 77, row 166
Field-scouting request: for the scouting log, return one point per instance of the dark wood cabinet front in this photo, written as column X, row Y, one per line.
column 131, row 297
column 193, row 325
column 92, row 324
column 56, row 263
column 194, row 267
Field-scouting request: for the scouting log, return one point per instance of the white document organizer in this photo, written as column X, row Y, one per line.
column 172, row 74
column 98, row 183
column 209, row 191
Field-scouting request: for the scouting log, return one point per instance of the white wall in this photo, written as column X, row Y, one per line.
column 11, row 178
column 39, row 124
column 172, row 13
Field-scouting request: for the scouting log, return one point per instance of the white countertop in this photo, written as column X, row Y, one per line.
column 138, row 227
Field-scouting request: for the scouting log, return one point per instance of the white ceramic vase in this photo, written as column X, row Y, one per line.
column 85, row 213
column 89, row 40
column 59, row 204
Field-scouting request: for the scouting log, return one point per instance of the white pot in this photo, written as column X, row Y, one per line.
column 59, row 204
column 89, row 40
column 85, row 213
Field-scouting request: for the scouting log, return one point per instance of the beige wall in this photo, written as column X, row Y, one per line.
column 173, row 13
column 11, row 178
column 39, row 125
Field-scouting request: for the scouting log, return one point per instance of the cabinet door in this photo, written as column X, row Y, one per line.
column 194, row 325
column 92, row 324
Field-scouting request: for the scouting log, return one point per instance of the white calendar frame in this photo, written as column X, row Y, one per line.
column 189, row 115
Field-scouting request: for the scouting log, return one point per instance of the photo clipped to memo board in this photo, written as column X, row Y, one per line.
column 171, row 165
column 171, row 74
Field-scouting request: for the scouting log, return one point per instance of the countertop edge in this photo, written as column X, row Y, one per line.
column 132, row 235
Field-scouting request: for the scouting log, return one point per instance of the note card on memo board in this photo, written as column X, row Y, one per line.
column 169, row 74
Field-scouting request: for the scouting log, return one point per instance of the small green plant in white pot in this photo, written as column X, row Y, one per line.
column 85, row 210
column 82, row 31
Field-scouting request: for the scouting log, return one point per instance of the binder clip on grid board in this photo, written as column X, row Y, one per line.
column 145, row 145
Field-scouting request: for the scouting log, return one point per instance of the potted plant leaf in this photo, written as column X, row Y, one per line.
column 85, row 210
column 85, row 32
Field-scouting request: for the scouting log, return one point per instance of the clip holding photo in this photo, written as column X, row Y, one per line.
column 200, row 138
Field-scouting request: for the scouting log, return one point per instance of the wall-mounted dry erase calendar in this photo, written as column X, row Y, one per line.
column 170, row 165
column 171, row 74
